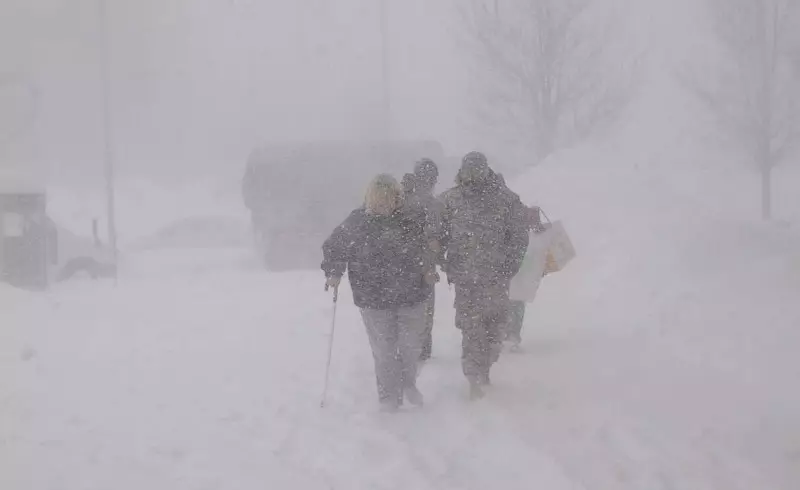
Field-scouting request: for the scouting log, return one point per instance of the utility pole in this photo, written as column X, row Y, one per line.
column 108, row 134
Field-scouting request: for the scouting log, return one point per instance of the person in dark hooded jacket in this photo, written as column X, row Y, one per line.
column 516, row 309
column 485, row 240
column 383, row 249
column 419, row 195
column 408, row 184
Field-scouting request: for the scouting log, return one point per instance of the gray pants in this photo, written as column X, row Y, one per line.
column 427, row 336
column 516, row 317
column 396, row 340
column 481, row 313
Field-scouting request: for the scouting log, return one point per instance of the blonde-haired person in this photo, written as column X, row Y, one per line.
column 382, row 247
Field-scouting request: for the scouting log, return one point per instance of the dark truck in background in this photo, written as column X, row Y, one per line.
column 298, row 193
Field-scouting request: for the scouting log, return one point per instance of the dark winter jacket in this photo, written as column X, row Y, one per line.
column 485, row 233
column 384, row 257
column 432, row 209
column 533, row 214
column 429, row 209
column 535, row 219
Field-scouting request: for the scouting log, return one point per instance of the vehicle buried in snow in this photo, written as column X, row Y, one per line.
column 73, row 255
column 36, row 251
column 298, row 193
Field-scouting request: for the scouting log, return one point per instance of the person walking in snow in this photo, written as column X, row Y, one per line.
column 419, row 195
column 516, row 309
column 383, row 249
column 408, row 184
column 485, row 240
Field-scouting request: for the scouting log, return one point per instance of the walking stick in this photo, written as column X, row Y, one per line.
column 330, row 345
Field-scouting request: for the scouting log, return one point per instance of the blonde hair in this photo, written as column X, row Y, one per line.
column 384, row 195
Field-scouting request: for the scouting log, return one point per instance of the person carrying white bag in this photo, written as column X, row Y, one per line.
column 549, row 251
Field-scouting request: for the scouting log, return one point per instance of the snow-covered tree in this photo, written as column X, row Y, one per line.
column 549, row 68
column 753, row 91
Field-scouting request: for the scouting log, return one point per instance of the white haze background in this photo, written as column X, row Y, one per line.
column 664, row 357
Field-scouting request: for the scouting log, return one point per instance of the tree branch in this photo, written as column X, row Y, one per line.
column 547, row 64
column 763, row 103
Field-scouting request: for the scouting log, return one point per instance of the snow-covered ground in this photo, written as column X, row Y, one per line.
column 142, row 207
column 664, row 357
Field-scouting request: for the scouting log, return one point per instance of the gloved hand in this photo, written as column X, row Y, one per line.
column 333, row 282
column 432, row 277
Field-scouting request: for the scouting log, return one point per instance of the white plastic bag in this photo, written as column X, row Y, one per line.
column 525, row 284
column 560, row 251
column 548, row 251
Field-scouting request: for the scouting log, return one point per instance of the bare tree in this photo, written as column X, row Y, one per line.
column 544, row 67
column 753, row 93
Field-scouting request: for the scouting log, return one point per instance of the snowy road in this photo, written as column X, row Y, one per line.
column 210, row 379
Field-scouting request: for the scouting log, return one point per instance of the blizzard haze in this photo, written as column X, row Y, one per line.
column 663, row 134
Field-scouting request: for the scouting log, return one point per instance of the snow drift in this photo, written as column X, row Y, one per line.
column 662, row 357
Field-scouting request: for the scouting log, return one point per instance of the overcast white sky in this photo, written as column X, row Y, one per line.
column 198, row 83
